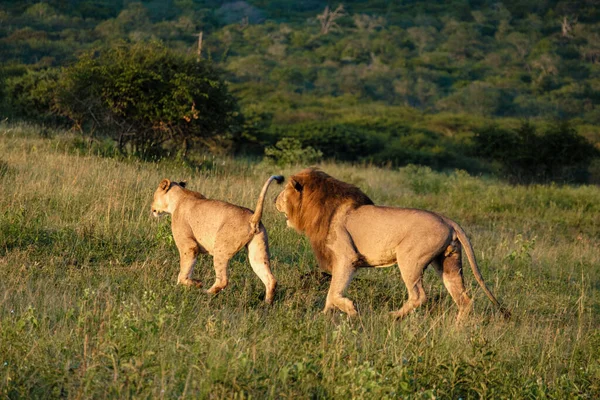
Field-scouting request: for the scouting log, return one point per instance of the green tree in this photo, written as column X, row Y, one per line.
column 31, row 95
column 524, row 155
column 148, row 98
column 480, row 98
column 462, row 41
column 422, row 36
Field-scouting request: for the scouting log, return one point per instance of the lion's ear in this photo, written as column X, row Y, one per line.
column 296, row 185
column 182, row 183
column 165, row 184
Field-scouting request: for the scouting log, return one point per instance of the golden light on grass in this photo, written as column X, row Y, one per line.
column 88, row 305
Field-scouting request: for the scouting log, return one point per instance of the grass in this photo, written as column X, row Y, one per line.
column 89, row 307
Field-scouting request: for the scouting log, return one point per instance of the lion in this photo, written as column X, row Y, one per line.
column 200, row 225
column 347, row 231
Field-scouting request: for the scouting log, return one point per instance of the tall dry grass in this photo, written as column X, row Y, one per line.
column 89, row 305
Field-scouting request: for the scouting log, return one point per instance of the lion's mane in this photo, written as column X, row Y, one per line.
column 312, row 208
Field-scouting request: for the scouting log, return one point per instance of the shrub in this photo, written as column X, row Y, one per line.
column 344, row 142
column 422, row 180
column 31, row 94
column 289, row 151
column 147, row 97
column 524, row 155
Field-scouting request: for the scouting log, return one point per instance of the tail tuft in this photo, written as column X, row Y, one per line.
column 278, row 178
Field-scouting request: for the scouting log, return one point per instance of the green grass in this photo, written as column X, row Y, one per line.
column 89, row 307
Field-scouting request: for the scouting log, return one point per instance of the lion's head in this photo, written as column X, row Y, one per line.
column 310, row 200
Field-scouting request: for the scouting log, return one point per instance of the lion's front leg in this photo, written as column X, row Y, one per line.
column 340, row 279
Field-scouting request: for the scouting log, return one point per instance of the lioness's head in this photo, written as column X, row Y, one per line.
column 161, row 204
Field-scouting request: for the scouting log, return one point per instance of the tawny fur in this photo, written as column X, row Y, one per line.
column 347, row 232
column 221, row 229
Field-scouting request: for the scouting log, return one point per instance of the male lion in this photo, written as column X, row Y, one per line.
column 347, row 231
column 221, row 229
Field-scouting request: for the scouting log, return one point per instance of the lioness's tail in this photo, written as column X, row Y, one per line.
column 466, row 243
column 255, row 220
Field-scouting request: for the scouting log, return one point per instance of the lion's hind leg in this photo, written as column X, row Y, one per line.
column 449, row 266
column 258, row 255
column 412, row 275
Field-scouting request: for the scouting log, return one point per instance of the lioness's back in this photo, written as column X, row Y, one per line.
column 216, row 208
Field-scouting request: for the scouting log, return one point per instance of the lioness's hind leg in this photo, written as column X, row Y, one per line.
column 449, row 266
column 258, row 255
column 221, row 261
column 188, row 254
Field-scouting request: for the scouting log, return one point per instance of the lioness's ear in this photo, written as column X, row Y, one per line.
column 182, row 184
column 165, row 184
column 297, row 185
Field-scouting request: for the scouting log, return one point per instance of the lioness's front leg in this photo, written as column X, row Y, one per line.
column 340, row 279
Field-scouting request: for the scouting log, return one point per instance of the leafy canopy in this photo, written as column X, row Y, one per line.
column 148, row 98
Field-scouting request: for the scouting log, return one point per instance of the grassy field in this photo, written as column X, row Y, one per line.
column 89, row 307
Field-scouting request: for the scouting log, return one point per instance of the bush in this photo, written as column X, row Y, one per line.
column 289, row 151
column 524, row 155
column 31, row 96
column 379, row 141
column 344, row 142
column 438, row 156
column 148, row 98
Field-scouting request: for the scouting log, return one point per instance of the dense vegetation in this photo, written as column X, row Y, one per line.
column 143, row 96
column 377, row 81
column 89, row 307
column 88, row 302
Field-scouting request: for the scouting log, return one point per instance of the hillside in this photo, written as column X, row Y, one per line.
column 418, row 78
column 533, row 59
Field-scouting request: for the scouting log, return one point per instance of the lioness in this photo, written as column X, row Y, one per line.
column 221, row 229
column 347, row 231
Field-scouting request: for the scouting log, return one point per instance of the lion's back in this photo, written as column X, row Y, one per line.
column 377, row 232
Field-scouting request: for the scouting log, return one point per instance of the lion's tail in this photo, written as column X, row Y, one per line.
column 255, row 220
column 466, row 243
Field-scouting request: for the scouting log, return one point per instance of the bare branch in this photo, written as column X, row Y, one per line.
column 328, row 18
column 567, row 25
